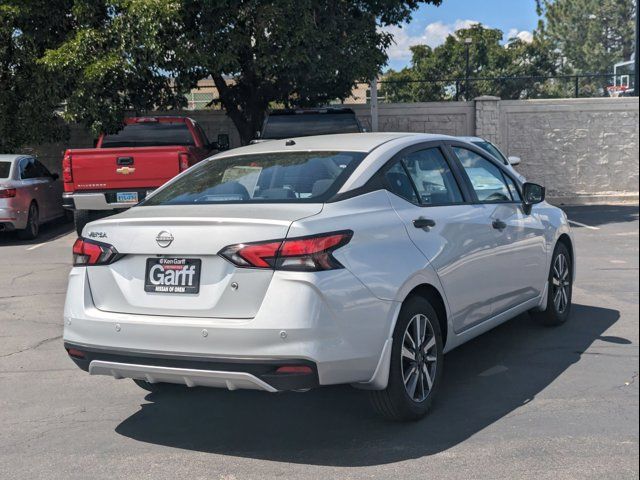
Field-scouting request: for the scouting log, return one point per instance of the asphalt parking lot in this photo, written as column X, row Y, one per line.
column 521, row 401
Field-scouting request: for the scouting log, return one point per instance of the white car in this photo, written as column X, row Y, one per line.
column 291, row 264
column 489, row 147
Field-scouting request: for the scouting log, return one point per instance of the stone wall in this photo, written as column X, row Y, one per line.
column 582, row 150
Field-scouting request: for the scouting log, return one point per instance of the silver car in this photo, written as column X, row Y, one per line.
column 29, row 195
column 292, row 264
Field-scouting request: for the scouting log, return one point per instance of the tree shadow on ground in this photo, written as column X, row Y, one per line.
column 484, row 380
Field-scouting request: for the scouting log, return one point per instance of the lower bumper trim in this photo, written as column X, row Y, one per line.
column 188, row 377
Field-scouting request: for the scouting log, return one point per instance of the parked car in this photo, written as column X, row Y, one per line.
column 29, row 195
column 486, row 145
column 124, row 167
column 304, row 122
column 287, row 265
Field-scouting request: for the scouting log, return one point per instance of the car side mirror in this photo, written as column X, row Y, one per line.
column 223, row 142
column 532, row 193
column 513, row 161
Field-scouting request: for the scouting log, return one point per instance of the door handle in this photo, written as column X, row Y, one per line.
column 499, row 225
column 124, row 161
column 424, row 223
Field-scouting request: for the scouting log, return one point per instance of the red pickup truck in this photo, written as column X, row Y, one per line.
column 125, row 166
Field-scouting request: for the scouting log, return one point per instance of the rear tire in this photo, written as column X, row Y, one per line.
column 414, row 374
column 81, row 218
column 560, row 289
column 33, row 224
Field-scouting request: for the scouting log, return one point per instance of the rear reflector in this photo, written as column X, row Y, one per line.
column 299, row 369
column 7, row 192
column 75, row 353
column 302, row 254
column 89, row 252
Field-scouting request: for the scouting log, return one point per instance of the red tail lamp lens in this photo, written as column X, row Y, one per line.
column 73, row 352
column 297, row 369
column 87, row 252
column 303, row 254
column 7, row 192
column 67, row 172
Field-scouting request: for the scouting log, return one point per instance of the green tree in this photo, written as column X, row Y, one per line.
column 29, row 97
column 591, row 35
column 433, row 72
column 145, row 54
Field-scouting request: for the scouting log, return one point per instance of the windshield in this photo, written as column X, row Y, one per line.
column 292, row 177
column 5, row 169
column 307, row 124
column 491, row 148
column 150, row 135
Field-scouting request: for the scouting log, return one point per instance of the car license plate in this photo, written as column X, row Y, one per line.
column 127, row 197
column 172, row 275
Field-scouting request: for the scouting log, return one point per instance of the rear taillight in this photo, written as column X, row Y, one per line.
column 184, row 160
column 88, row 252
column 67, row 174
column 7, row 192
column 303, row 254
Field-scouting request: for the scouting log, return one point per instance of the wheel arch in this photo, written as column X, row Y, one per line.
column 435, row 298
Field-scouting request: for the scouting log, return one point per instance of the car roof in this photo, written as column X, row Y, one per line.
column 472, row 139
column 11, row 157
column 343, row 142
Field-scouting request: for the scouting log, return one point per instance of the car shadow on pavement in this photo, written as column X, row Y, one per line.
column 599, row 215
column 49, row 232
column 484, row 380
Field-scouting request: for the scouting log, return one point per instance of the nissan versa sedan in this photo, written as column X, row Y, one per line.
column 29, row 195
column 343, row 259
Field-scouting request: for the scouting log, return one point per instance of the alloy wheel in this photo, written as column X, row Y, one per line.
column 419, row 358
column 561, row 282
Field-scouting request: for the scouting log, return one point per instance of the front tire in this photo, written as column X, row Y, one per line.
column 560, row 289
column 416, row 364
column 33, row 224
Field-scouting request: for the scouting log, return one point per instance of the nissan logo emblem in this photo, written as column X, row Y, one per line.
column 164, row 239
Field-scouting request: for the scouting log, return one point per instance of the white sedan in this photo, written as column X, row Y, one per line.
column 291, row 264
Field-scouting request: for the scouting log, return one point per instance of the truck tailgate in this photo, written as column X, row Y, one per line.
column 117, row 168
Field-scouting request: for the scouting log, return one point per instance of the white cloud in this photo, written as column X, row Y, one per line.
column 433, row 35
column 523, row 35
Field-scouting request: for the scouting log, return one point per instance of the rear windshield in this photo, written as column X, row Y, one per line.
column 307, row 124
column 150, row 135
column 5, row 169
column 489, row 147
column 292, row 177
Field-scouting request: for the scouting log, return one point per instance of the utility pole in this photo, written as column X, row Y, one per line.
column 635, row 55
column 374, row 105
column 467, row 90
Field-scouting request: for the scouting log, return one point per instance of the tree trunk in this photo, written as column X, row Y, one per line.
column 247, row 121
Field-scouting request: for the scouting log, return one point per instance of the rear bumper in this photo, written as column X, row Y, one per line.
column 12, row 219
column 99, row 200
column 335, row 325
column 193, row 371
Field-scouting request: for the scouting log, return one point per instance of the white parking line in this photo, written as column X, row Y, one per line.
column 584, row 225
column 33, row 247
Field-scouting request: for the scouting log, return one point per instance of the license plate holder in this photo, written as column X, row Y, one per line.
column 172, row 275
column 127, row 197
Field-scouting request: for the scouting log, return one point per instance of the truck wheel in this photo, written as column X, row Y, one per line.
column 81, row 218
column 33, row 224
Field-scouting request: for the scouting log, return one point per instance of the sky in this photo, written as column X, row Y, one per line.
column 431, row 25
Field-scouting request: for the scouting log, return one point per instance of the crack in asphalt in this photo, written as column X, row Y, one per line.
column 33, row 347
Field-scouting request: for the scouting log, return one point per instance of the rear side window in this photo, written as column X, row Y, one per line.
column 292, row 177
column 5, row 169
column 399, row 183
column 307, row 124
column 432, row 177
column 150, row 134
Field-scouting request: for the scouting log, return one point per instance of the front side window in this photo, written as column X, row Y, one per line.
column 486, row 178
column 292, row 177
column 150, row 134
column 432, row 177
column 493, row 150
